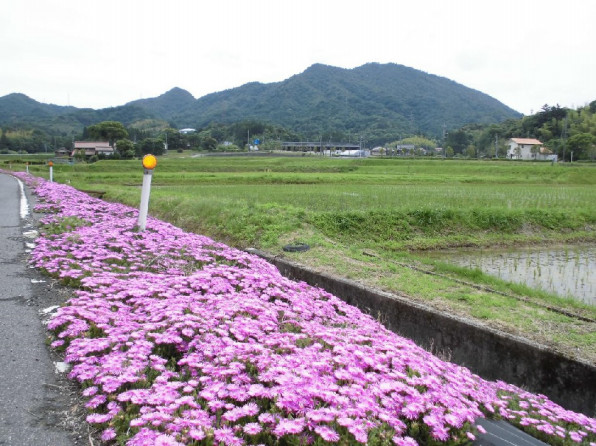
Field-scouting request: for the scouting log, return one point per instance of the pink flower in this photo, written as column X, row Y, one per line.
column 252, row 428
column 108, row 434
column 97, row 418
column 440, row 433
column 404, row 441
column 196, row 434
column 289, row 426
column 96, row 401
column 166, row 440
column 227, row 437
column 266, row 418
column 327, row 434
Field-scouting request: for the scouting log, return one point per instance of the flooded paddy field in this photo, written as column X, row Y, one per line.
column 565, row 271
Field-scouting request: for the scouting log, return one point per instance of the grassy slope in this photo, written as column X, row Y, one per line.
column 371, row 220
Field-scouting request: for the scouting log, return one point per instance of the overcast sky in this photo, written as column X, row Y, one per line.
column 97, row 54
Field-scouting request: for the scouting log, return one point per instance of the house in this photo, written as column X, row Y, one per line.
column 355, row 153
column 61, row 152
column 529, row 149
column 405, row 149
column 91, row 148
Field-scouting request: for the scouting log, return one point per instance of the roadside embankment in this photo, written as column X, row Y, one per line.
column 488, row 352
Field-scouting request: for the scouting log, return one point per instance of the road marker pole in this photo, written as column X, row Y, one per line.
column 51, row 164
column 149, row 163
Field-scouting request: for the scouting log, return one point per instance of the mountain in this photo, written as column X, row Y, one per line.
column 380, row 101
column 324, row 99
column 166, row 105
column 17, row 107
column 18, row 110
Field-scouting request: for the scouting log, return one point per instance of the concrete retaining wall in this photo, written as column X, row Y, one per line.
column 489, row 353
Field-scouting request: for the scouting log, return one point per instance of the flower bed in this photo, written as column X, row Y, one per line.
column 178, row 339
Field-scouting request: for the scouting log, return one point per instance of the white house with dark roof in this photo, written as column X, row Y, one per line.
column 528, row 149
column 90, row 148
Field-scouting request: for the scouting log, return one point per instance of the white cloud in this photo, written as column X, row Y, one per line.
column 105, row 53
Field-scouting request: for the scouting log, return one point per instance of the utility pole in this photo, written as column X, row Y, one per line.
column 496, row 146
column 564, row 137
column 444, row 148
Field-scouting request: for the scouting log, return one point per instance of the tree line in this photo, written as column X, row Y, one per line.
column 567, row 132
column 560, row 129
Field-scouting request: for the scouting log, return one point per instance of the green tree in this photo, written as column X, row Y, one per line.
column 228, row 148
column 153, row 146
column 209, row 143
column 126, row 148
column 419, row 141
column 449, row 152
column 193, row 141
column 176, row 140
column 581, row 144
column 471, row 151
column 458, row 140
column 108, row 130
column 271, row 144
column 4, row 143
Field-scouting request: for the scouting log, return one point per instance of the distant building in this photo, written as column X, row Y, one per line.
column 529, row 149
column 318, row 146
column 186, row 131
column 61, row 152
column 405, row 149
column 91, row 148
column 355, row 153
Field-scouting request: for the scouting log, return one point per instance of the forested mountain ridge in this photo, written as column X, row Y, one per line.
column 17, row 107
column 167, row 105
column 380, row 102
column 374, row 99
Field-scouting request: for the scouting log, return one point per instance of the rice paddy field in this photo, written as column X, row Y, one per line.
column 376, row 220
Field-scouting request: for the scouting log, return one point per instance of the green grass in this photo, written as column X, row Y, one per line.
column 391, row 209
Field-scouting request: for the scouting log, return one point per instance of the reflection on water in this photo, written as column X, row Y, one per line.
column 568, row 272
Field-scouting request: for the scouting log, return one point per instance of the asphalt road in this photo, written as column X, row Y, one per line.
column 36, row 405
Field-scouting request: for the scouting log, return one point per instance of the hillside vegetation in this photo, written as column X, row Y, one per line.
column 570, row 134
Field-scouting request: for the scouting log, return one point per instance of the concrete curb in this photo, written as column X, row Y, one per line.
column 490, row 353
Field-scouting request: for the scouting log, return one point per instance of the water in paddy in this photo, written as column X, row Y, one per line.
column 567, row 272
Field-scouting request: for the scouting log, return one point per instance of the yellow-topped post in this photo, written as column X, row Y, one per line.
column 149, row 163
column 51, row 164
